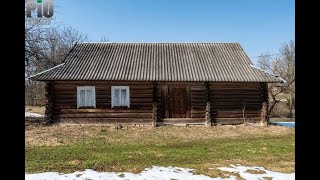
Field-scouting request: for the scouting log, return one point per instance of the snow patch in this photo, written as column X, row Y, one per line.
column 29, row 114
column 242, row 171
column 156, row 173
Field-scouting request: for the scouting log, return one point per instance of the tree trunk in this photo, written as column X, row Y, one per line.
column 207, row 115
column 271, row 106
column 264, row 114
column 154, row 114
column 290, row 105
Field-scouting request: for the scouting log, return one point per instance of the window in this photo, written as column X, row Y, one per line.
column 86, row 96
column 120, row 96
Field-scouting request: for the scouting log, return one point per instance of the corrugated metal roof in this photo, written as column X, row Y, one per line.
column 220, row 62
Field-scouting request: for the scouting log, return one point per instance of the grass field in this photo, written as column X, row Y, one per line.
column 70, row 148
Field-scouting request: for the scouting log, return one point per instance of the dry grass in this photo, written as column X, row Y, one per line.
column 267, row 178
column 63, row 134
column 255, row 171
column 282, row 119
column 67, row 148
column 35, row 109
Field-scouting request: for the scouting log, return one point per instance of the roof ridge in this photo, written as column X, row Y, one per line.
column 93, row 42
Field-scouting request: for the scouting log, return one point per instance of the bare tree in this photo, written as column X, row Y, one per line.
column 45, row 47
column 104, row 39
column 284, row 66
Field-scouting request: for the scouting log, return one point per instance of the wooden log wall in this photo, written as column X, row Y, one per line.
column 50, row 115
column 228, row 100
column 198, row 100
column 140, row 111
column 225, row 100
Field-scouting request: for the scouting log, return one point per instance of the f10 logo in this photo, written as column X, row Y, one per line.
column 44, row 8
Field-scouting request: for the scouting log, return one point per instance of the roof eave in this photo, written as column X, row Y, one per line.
column 34, row 77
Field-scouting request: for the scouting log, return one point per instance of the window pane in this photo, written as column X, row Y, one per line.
column 116, row 97
column 89, row 99
column 82, row 98
column 123, row 97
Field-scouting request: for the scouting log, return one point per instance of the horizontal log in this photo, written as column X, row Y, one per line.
column 104, row 92
column 204, row 97
column 236, row 98
column 238, row 112
column 65, row 88
column 183, row 120
column 198, row 93
column 198, row 112
column 238, row 102
column 197, row 86
column 104, row 123
column 236, row 95
column 141, row 100
column 201, row 96
column 65, row 106
column 70, row 111
column 110, row 120
column 142, row 91
column 198, row 101
column 131, row 109
column 65, row 101
column 234, row 86
column 65, row 93
column 136, row 95
column 134, row 88
column 235, row 120
column 219, row 115
column 198, row 108
column 245, row 84
column 224, row 88
column 197, row 115
column 235, row 108
column 105, row 82
column 108, row 115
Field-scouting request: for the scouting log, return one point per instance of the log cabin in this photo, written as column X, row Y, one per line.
column 156, row 84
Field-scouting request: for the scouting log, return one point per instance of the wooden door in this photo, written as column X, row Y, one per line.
column 178, row 102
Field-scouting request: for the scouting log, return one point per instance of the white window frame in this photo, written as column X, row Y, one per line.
column 113, row 88
column 92, row 88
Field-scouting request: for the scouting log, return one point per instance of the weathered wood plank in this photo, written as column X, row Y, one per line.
column 236, row 120
column 183, row 120
column 110, row 120
column 108, row 115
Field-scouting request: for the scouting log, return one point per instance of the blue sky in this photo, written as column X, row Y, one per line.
column 258, row 25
